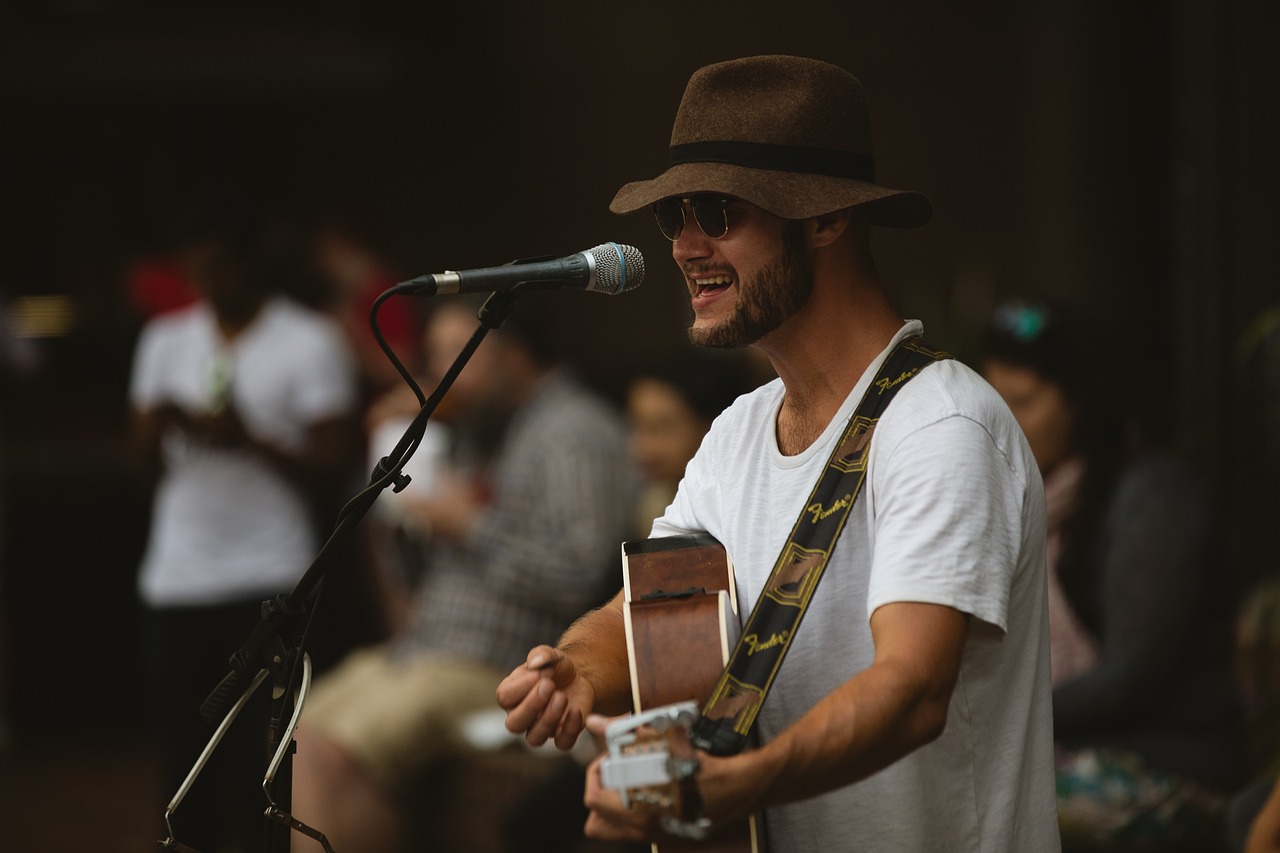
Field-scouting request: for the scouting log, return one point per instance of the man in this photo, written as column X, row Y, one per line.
column 245, row 415
column 912, row 711
column 519, row 544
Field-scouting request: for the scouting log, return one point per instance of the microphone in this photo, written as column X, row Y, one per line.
column 608, row 268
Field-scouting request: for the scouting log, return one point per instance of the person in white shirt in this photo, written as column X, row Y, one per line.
column 913, row 709
column 244, row 416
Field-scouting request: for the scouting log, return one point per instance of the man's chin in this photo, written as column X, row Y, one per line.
column 717, row 336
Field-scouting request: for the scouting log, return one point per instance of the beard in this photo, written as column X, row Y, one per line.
column 767, row 300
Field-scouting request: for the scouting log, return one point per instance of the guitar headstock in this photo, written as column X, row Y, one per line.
column 653, row 765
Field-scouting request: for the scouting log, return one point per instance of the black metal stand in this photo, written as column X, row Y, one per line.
column 275, row 649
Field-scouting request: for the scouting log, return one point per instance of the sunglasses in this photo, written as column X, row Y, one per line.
column 711, row 212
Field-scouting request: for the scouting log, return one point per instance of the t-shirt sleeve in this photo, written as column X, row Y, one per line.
column 329, row 386
column 947, row 521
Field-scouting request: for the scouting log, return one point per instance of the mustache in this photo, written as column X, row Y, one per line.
column 694, row 268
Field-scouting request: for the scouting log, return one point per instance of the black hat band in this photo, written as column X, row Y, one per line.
column 778, row 158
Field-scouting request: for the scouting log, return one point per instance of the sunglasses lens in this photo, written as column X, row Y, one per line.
column 711, row 215
column 670, row 215
column 709, row 211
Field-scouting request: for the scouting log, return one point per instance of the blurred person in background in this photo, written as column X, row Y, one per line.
column 670, row 407
column 353, row 273
column 245, row 421
column 399, row 537
column 521, row 533
column 1139, row 607
column 347, row 270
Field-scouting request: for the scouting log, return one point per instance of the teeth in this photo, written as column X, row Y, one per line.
column 702, row 283
column 712, row 281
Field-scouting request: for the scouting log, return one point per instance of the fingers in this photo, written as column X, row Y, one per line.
column 608, row 819
column 569, row 729
column 543, row 657
column 524, row 696
column 516, row 686
column 596, row 725
column 533, row 703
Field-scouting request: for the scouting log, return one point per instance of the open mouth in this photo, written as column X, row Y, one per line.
column 711, row 285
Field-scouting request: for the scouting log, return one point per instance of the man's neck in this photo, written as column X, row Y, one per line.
column 820, row 356
column 234, row 319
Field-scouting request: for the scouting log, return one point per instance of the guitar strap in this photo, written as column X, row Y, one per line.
column 730, row 712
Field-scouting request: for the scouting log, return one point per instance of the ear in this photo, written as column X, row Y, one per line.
column 825, row 229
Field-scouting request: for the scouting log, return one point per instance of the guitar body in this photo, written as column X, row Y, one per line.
column 681, row 623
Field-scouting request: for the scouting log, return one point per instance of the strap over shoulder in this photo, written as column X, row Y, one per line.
column 730, row 713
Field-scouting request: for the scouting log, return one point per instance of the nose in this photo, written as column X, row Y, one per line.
column 692, row 244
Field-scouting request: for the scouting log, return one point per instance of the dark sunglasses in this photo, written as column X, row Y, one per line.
column 709, row 211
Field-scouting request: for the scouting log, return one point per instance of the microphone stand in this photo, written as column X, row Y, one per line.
column 275, row 649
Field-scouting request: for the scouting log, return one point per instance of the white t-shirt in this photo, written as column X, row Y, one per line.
column 227, row 525
column 952, row 512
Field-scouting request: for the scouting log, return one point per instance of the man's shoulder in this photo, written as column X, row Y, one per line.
column 949, row 388
column 290, row 316
column 178, row 319
column 953, row 409
column 300, row 335
column 177, row 328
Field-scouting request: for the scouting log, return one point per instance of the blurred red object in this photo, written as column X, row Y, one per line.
column 157, row 286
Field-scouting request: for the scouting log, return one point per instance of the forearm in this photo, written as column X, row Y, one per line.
column 597, row 645
column 883, row 713
column 867, row 724
column 145, row 447
column 318, row 466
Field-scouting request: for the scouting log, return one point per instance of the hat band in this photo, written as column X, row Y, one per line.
column 778, row 158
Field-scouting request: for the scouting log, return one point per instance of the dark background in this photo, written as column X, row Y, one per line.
column 1122, row 154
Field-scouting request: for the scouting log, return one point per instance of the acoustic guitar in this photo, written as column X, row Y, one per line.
column 681, row 620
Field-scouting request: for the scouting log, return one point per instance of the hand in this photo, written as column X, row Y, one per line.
column 170, row 415
column 448, row 510
column 224, row 428
column 726, row 790
column 609, row 819
column 399, row 404
column 546, row 698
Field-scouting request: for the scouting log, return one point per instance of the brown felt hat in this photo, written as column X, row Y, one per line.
column 788, row 134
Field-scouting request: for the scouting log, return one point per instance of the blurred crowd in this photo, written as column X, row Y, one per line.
column 261, row 401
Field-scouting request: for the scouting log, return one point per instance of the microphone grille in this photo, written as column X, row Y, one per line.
column 618, row 267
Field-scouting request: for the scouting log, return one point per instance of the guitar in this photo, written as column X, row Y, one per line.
column 680, row 611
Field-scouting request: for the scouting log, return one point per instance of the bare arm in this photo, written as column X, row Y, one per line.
column 319, row 465
column 147, row 428
column 316, row 467
column 551, row 694
column 895, row 706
